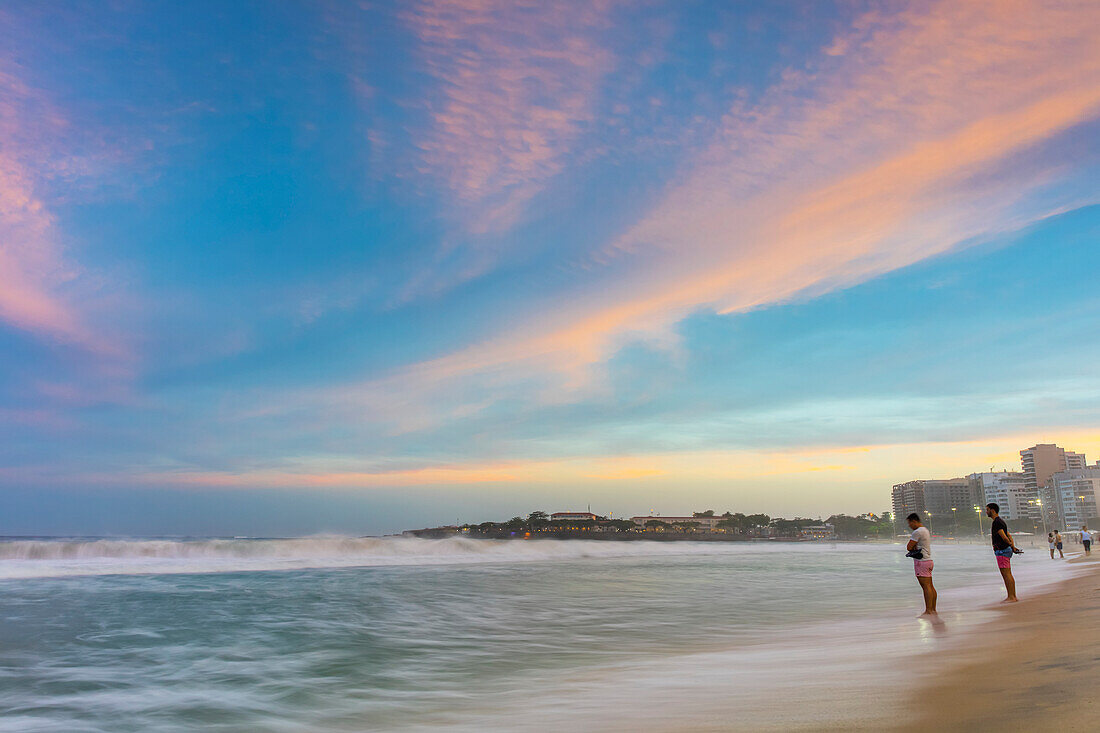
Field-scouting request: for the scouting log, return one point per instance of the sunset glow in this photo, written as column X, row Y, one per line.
column 446, row 258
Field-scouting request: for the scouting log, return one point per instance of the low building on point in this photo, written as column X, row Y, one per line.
column 703, row 524
column 575, row 521
column 573, row 517
column 818, row 532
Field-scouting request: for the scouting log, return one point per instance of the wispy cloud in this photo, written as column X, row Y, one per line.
column 41, row 284
column 884, row 463
column 518, row 83
column 897, row 145
column 32, row 267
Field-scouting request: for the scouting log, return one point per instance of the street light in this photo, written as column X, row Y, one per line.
column 981, row 527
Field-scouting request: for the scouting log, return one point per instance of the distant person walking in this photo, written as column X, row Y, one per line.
column 1004, row 548
column 1086, row 540
column 1050, row 541
column 920, row 549
column 1058, row 544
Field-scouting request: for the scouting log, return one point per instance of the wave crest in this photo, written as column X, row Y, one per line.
column 49, row 558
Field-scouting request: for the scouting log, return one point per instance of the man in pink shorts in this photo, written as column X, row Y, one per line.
column 1004, row 547
column 920, row 543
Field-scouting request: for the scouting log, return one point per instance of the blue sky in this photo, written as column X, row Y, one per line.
column 280, row 269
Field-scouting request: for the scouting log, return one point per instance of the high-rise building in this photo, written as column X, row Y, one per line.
column 1009, row 491
column 932, row 498
column 944, row 496
column 1040, row 462
column 907, row 498
column 1078, row 493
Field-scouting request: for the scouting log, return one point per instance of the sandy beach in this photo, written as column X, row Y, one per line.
column 1037, row 670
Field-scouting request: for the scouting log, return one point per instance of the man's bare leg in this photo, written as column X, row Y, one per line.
column 1010, row 584
column 930, row 596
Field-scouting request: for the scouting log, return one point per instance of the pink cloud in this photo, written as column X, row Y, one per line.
column 895, row 150
column 35, row 272
column 518, row 83
column 513, row 92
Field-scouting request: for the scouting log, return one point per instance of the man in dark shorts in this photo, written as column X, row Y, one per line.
column 1086, row 540
column 1004, row 548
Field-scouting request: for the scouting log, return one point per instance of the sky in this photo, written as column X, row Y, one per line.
column 305, row 267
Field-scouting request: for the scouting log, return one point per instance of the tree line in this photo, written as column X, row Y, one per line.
column 863, row 526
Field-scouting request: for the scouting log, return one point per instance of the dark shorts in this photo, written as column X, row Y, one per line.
column 1087, row 543
column 1059, row 545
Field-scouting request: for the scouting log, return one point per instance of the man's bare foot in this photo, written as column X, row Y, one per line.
column 1011, row 600
column 928, row 613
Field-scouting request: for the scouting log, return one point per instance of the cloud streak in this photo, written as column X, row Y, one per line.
column 32, row 267
column 895, row 150
column 43, row 290
column 830, row 464
column 518, row 83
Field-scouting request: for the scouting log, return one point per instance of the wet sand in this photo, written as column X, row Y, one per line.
column 1036, row 667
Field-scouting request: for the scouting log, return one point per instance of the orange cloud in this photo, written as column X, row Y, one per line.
column 894, row 148
column 624, row 474
column 885, row 464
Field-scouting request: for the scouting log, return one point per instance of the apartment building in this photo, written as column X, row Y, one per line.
column 907, row 498
column 1078, row 492
column 1007, row 489
column 1039, row 463
column 934, row 497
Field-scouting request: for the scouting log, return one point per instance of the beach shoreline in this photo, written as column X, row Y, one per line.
column 1030, row 668
column 658, row 638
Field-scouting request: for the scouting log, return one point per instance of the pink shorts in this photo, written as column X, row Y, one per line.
column 923, row 568
column 1004, row 562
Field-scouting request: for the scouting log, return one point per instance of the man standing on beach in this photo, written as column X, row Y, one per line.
column 1058, row 543
column 1086, row 540
column 922, row 539
column 1004, row 548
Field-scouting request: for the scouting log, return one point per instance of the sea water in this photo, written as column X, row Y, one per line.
column 402, row 634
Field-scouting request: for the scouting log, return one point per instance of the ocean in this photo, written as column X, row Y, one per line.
column 403, row 634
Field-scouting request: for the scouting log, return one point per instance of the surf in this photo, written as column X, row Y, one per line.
column 101, row 556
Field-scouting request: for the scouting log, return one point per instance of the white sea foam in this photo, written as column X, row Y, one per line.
column 56, row 558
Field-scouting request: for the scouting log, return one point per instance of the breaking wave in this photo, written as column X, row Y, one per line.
column 53, row 558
